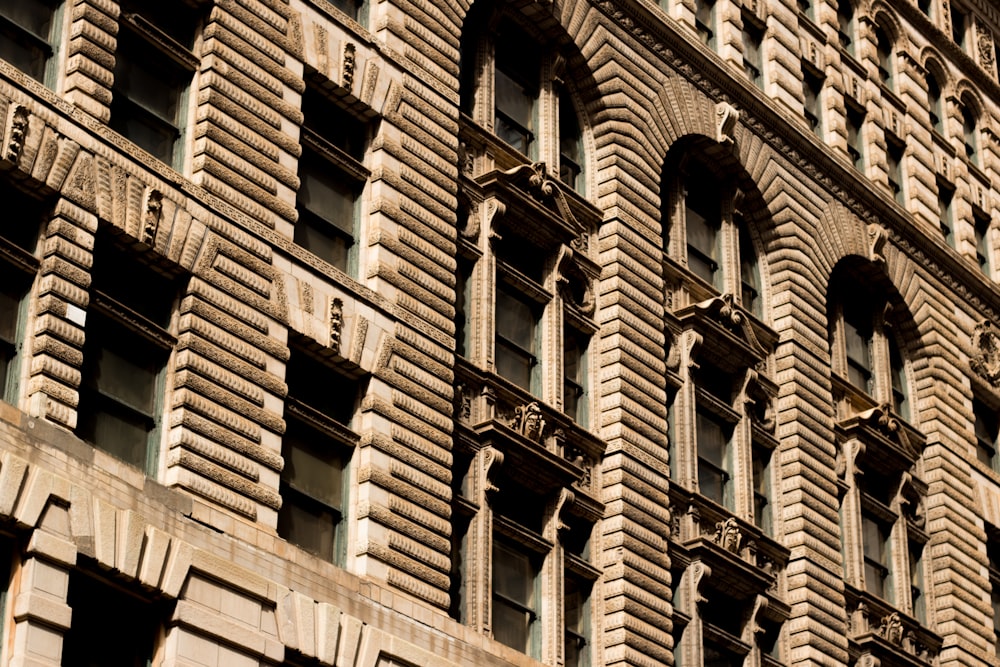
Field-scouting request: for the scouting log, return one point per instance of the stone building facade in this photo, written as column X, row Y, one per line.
column 567, row 332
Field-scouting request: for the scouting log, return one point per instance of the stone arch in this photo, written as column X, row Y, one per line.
column 884, row 16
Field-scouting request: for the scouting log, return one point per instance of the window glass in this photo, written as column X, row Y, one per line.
column 570, row 144
column 857, row 339
column 934, row 103
column 713, row 458
column 516, row 333
column 575, row 383
column 28, row 37
column 577, row 619
column 874, row 539
column 514, row 611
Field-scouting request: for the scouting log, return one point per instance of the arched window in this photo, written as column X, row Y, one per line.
column 885, row 56
column 847, row 28
column 970, row 131
column 934, row 106
column 511, row 81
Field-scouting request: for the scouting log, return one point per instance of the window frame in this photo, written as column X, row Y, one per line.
column 321, row 434
column 141, row 40
column 50, row 47
column 326, row 158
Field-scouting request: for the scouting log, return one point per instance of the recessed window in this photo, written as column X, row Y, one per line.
column 762, row 490
column 987, row 428
column 332, row 178
column 934, row 106
column 110, row 626
column 959, row 25
column 981, row 234
column 875, row 542
column 885, row 57
column 517, row 338
column 576, row 382
column 855, row 119
column 154, row 66
column 576, row 615
column 714, row 477
column 704, row 21
column 993, row 565
column 356, row 9
column 846, row 25
column 29, row 37
column 894, row 160
column 516, row 604
column 18, row 267
column 946, row 219
column 128, row 342
column 317, row 448
column 970, row 133
column 753, row 61
column 812, row 88
column 518, row 88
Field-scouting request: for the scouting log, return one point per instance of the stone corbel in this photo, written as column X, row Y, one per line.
column 753, row 626
column 152, row 213
column 724, row 310
column 569, row 274
column 985, row 360
column 544, row 188
column 491, row 460
column 878, row 235
column 349, row 59
column 336, row 324
column 726, row 117
column 495, row 209
column 17, row 130
column 882, row 420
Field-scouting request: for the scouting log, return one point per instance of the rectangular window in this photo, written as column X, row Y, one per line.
column 987, row 429
column 959, row 25
column 577, row 620
column 703, row 222
column 875, row 542
column 18, row 267
column 317, row 447
column 750, row 296
column 858, row 343
column 897, row 380
column 855, row 119
column 753, row 61
column 463, row 307
column 763, row 512
column 945, row 216
column 517, row 89
column 356, row 9
column 154, row 66
column 713, row 436
column 704, row 21
column 332, row 178
column 981, row 228
column 993, row 563
column 894, row 161
column 515, row 597
column 127, row 345
column 517, row 330
column 110, row 626
column 29, row 37
column 812, row 87
column 575, row 376
column 916, row 551
column 570, row 144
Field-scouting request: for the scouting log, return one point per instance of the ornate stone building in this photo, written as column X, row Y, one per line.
column 567, row 332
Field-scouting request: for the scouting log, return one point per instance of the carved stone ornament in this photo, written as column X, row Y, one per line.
column 984, row 40
column 891, row 629
column 470, row 213
column 336, row 324
column 350, row 56
column 880, row 418
column 877, row 237
column 543, row 188
column 529, row 421
column 152, row 212
column 726, row 117
column 572, row 283
column 728, row 535
column 463, row 402
column 985, row 361
column 19, row 115
column 723, row 309
column 492, row 459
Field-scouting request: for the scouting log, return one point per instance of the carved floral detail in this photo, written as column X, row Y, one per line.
column 529, row 421
column 19, row 116
column 152, row 213
column 986, row 352
column 336, row 324
column 350, row 57
column 728, row 535
column 891, row 629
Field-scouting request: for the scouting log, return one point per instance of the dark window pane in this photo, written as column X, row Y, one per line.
column 26, row 35
column 514, row 606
